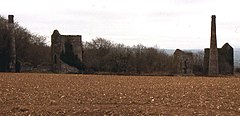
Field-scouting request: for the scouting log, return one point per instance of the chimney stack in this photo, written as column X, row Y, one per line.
column 12, row 44
column 10, row 19
column 213, row 56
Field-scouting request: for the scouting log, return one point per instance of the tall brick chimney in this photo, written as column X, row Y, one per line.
column 213, row 56
column 12, row 44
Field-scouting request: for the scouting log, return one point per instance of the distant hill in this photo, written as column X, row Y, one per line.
column 171, row 51
column 236, row 54
column 237, row 57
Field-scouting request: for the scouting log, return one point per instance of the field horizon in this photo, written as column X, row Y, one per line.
column 78, row 94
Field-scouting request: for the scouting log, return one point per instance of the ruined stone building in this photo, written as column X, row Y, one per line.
column 8, row 49
column 66, row 52
column 225, row 60
column 218, row 60
column 183, row 62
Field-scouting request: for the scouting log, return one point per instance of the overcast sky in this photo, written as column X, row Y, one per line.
column 168, row 24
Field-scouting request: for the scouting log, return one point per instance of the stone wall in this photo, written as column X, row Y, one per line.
column 66, row 52
column 183, row 62
column 225, row 60
column 226, row 63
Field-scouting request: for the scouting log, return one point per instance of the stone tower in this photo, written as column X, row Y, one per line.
column 213, row 69
column 12, row 48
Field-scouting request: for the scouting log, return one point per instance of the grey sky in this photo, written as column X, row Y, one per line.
column 165, row 23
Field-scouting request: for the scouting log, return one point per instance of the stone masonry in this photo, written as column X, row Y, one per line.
column 213, row 56
column 183, row 62
column 66, row 52
column 218, row 60
column 12, row 44
column 225, row 60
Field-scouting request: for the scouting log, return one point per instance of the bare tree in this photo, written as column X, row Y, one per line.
column 29, row 47
column 198, row 59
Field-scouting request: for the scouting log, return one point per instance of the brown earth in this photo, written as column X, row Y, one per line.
column 69, row 94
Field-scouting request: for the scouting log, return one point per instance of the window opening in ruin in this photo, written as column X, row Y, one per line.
column 185, row 66
column 55, row 59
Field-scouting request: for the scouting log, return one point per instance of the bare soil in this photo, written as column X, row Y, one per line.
column 72, row 94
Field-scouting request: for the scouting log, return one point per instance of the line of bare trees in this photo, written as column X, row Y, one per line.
column 101, row 55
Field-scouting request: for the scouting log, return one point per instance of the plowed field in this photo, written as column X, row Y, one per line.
column 69, row 94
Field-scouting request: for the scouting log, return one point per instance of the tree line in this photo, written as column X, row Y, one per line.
column 99, row 55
